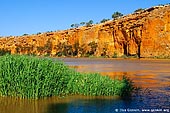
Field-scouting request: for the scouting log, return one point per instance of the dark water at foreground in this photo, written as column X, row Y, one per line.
column 152, row 75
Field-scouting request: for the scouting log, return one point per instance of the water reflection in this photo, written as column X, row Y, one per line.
column 138, row 102
column 58, row 108
column 70, row 104
column 88, row 105
column 15, row 105
column 144, row 73
column 152, row 75
column 84, row 104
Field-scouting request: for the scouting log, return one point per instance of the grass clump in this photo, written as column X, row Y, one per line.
column 32, row 77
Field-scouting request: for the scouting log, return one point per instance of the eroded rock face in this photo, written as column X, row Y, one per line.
column 145, row 34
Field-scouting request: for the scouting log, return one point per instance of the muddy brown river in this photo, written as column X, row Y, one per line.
column 152, row 75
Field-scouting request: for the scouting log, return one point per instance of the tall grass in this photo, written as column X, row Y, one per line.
column 32, row 77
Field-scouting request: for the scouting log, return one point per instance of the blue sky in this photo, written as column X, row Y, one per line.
column 18, row 17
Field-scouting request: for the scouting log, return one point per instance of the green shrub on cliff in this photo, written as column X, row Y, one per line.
column 104, row 20
column 3, row 52
column 89, row 23
column 115, row 55
column 138, row 10
column 116, row 15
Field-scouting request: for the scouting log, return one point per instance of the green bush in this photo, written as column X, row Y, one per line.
column 32, row 77
column 104, row 20
column 139, row 10
column 89, row 23
column 116, row 15
column 124, row 56
column 3, row 52
column 114, row 55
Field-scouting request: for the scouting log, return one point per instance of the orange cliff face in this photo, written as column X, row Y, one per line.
column 145, row 34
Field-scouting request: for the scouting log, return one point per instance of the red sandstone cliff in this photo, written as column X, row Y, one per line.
column 145, row 33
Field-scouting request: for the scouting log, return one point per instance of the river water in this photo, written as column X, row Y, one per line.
column 153, row 76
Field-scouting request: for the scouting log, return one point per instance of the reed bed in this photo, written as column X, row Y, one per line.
column 32, row 77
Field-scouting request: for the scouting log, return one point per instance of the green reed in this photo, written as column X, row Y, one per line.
column 32, row 77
